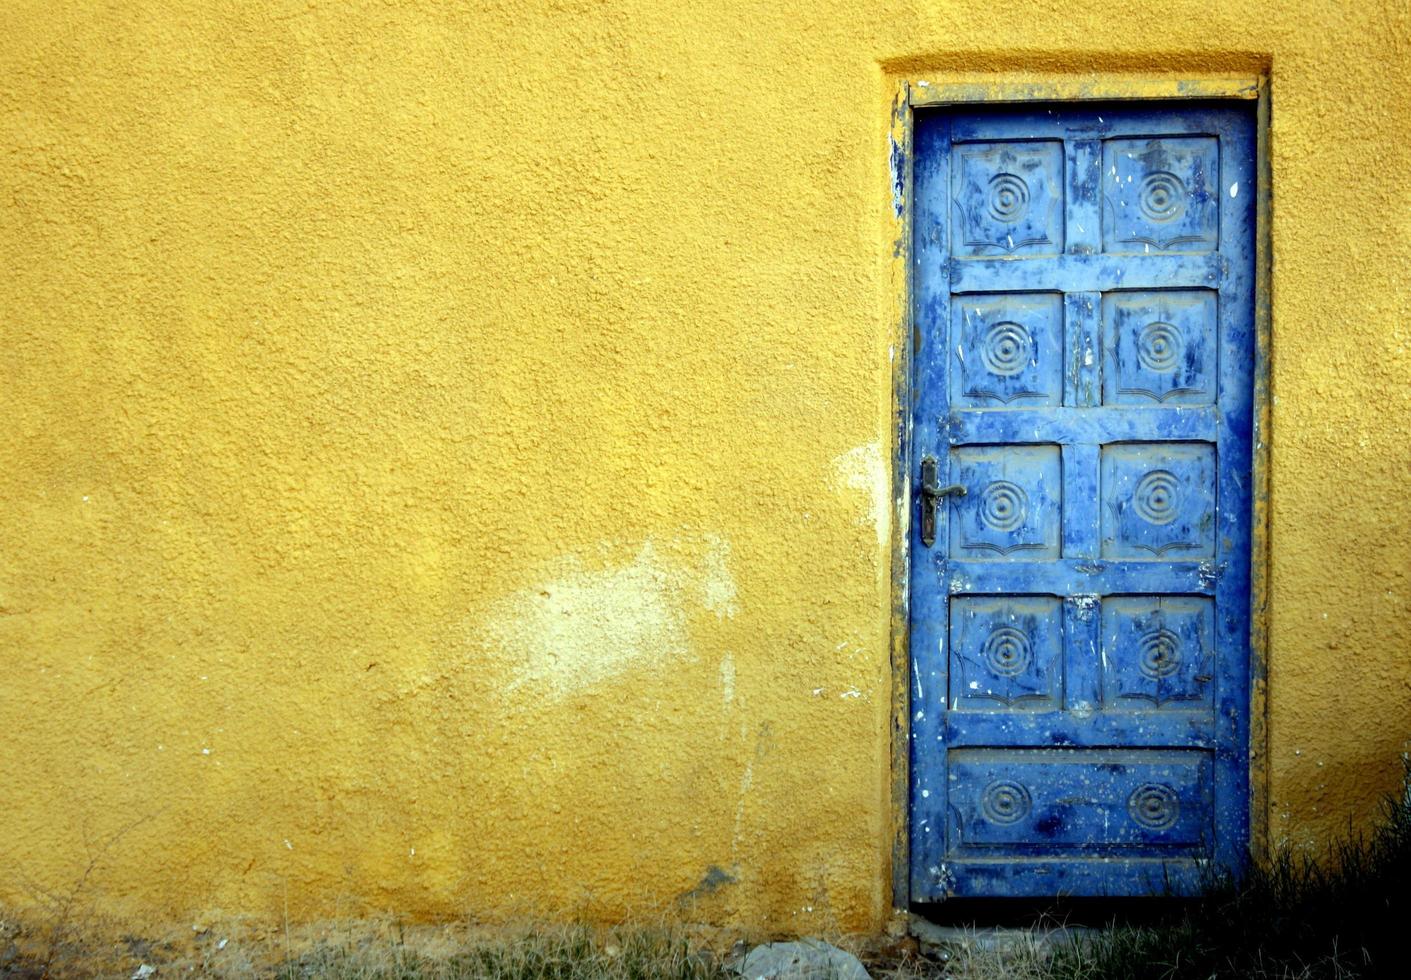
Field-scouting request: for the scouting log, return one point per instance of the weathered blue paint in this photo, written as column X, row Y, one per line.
column 1085, row 332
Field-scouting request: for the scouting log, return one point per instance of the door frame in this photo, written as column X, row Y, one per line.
column 908, row 91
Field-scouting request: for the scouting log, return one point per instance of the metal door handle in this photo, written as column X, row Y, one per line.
column 931, row 494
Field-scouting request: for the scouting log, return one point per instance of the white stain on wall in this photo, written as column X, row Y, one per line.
column 727, row 679
column 717, row 584
column 746, row 781
column 863, row 470
column 584, row 627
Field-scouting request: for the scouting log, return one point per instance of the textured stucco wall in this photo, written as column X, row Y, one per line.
column 446, row 447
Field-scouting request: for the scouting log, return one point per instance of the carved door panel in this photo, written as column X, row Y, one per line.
column 1084, row 316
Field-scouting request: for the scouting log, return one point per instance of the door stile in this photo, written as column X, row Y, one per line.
column 930, row 609
column 1234, row 533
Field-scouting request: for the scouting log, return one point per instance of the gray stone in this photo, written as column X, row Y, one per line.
column 807, row 959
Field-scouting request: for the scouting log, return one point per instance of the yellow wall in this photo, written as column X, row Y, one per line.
column 445, row 448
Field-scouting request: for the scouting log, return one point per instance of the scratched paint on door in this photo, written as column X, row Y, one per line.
column 1083, row 391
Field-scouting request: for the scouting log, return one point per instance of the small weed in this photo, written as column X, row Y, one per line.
column 67, row 918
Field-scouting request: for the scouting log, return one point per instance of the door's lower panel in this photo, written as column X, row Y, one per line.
column 1094, row 877
column 1030, row 821
column 1029, row 803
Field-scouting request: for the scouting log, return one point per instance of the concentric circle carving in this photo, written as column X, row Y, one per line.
column 1006, row 348
column 1162, row 196
column 1009, row 197
column 1160, row 347
column 1005, row 801
column 1158, row 653
column 1157, row 497
column 1154, row 806
column 1003, row 506
column 1007, row 651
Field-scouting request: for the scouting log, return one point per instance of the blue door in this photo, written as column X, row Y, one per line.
column 1084, row 322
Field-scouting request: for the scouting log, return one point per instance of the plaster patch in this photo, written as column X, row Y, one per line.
column 585, row 627
column 727, row 679
column 863, row 470
column 717, row 584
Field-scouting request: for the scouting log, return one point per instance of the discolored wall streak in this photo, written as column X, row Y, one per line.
column 445, row 445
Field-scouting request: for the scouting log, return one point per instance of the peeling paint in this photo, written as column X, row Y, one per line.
column 897, row 162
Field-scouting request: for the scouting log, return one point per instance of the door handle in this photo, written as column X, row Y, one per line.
column 931, row 494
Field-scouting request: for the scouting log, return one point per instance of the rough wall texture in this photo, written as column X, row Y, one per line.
column 446, row 447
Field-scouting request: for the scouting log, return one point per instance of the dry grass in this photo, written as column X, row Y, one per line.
column 374, row 950
column 386, row 950
column 1338, row 918
column 1025, row 956
column 367, row 950
column 567, row 953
